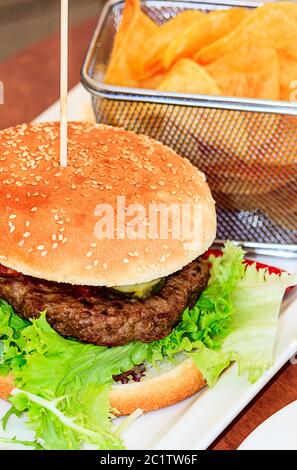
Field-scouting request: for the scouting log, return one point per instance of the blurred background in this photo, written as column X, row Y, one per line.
column 29, row 53
column 24, row 22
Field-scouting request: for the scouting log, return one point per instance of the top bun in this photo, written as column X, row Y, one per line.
column 48, row 213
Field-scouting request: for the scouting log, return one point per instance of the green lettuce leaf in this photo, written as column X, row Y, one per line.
column 72, row 378
column 34, row 445
column 12, row 342
column 250, row 341
column 209, row 322
column 211, row 363
column 257, row 300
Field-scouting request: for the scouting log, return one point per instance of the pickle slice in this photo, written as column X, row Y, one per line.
column 140, row 291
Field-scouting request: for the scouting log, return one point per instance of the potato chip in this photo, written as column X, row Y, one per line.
column 288, row 76
column 188, row 77
column 148, row 59
column 199, row 34
column 274, row 26
column 135, row 28
column 249, row 73
column 153, row 82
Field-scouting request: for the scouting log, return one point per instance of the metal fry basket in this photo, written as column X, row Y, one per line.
column 246, row 147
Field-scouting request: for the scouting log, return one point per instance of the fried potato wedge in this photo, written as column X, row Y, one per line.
column 249, row 73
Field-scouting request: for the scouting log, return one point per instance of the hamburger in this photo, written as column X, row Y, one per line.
column 96, row 301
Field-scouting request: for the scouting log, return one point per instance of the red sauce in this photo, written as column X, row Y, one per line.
column 81, row 291
column 7, row 272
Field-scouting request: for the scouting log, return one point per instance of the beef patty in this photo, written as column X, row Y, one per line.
column 91, row 315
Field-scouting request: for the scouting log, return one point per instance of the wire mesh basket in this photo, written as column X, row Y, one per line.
column 246, row 147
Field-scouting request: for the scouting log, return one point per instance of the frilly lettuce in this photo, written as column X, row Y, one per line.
column 63, row 385
column 257, row 300
column 210, row 319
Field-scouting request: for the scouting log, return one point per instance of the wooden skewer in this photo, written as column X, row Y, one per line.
column 63, row 83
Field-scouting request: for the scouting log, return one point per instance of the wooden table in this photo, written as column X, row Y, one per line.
column 31, row 82
column 31, row 78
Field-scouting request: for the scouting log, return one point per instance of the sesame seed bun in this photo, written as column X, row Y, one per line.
column 48, row 216
column 163, row 389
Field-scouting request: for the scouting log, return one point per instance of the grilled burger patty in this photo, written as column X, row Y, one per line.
column 93, row 315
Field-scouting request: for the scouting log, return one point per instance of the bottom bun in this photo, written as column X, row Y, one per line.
column 6, row 386
column 159, row 391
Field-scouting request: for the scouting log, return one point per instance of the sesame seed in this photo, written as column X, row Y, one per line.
column 93, row 245
column 89, row 254
column 88, row 267
column 43, row 253
column 26, row 234
column 33, row 209
column 105, row 266
column 60, row 237
column 126, row 261
column 28, row 223
column 64, row 240
column 21, row 242
column 54, row 245
column 12, row 216
column 12, row 229
column 54, row 237
column 40, row 247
